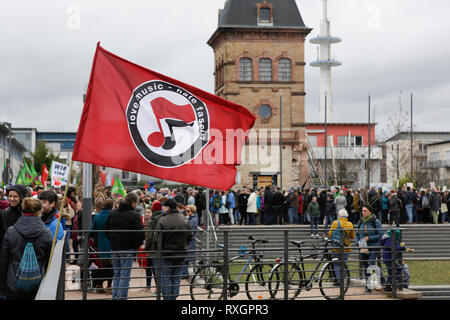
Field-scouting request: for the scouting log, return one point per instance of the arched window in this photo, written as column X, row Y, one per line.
column 265, row 69
column 284, row 69
column 245, row 69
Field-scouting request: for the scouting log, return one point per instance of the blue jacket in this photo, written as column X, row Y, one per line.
column 193, row 222
column 386, row 243
column 367, row 229
column 384, row 203
column 52, row 223
column 231, row 201
column 102, row 242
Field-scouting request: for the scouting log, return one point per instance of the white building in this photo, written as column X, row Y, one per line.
column 398, row 155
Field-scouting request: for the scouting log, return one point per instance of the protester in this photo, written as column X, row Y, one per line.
column 174, row 245
column 15, row 195
column 314, row 212
column 252, row 207
column 3, row 202
column 435, row 206
column 395, row 208
column 151, row 246
column 386, row 243
column 330, row 212
column 103, row 246
column 191, row 214
column 124, row 244
column 268, row 217
column 368, row 234
column 293, row 207
column 343, row 224
column 242, row 203
column 230, row 205
column 29, row 227
column 50, row 214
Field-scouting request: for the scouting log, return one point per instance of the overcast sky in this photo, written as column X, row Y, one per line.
column 388, row 47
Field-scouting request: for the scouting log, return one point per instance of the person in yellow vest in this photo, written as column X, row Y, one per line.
column 341, row 223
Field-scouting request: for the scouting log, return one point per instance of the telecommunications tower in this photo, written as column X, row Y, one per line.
column 325, row 62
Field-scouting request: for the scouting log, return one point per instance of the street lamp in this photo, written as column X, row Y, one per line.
column 8, row 162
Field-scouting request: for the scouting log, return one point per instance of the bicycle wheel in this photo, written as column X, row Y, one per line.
column 329, row 283
column 277, row 281
column 256, row 286
column 207, row 284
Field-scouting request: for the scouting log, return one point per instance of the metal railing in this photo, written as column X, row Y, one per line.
column 289, row 265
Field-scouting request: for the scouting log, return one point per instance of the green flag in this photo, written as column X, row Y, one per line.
column 21, row 177
column 35, row 177
column 118, row 189
column 28, row 175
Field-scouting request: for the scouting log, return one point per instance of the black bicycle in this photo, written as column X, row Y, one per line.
column 328, row 282
column 208, row 282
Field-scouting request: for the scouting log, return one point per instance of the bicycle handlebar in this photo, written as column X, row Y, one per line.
column 327, row 240
column 251, row 237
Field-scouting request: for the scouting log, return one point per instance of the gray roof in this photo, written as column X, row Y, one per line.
column 423, row 135
column 243, row 13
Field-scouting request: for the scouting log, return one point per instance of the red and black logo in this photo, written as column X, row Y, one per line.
column 168, row 125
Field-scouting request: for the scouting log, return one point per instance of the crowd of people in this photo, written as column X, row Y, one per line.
column 29, row 213
column 320, row 205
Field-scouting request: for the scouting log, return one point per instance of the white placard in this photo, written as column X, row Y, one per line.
column 59, row 174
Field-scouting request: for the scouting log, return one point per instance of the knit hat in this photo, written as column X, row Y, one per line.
column 156, row 206
column 343, row 213
column 20, row 189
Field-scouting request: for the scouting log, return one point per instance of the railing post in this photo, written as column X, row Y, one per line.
column 85, row 263
column 159, row 248
column 341, row 264
column 286, row 264
column 226, row 265
column 393, row 263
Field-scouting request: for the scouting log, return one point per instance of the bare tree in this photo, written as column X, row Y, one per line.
column 397, row 124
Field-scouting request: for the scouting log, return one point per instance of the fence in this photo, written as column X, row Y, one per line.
column 241, row 263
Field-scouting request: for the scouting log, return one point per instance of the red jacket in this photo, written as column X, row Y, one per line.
column 300, row 204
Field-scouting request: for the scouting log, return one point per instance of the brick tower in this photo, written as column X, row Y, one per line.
column 259, row 64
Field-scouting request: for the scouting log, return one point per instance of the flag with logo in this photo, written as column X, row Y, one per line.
column 28, row 174
column 141, row 121
column 118, row 189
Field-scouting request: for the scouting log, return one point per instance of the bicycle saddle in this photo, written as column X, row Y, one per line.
column 297, row 243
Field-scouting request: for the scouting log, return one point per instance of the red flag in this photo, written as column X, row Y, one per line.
column 44, row 176
column 141, row 121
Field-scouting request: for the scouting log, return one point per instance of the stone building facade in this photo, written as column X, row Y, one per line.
column 259, row 64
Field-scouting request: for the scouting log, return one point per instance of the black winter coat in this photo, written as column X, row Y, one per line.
column 13, row 245
column 176, row 235
column 125, row 218
column 8, row 217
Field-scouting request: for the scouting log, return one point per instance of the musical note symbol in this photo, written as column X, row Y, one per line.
column 171, row 116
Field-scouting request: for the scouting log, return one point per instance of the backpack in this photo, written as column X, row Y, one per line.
column 336, row 235
column 425, row 202
column 216, row 203
column 28, row 276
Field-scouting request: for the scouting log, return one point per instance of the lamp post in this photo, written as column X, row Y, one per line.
column 412, row 137
column 326, row 141
column 368, row 157
column 281, row 143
